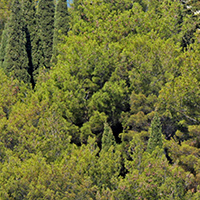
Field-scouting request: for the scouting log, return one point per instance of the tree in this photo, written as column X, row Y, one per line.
column 16, row 58
column 191, row 24
column 181, row 95
column 111, row 99
column 155, row 134
column 150, row 176
column 45, row 17
column 10, row 94
column 29, row 17
column 61, row 25
column 4, row 44
column 4, row 14
column 108, row 138
column 61, row 18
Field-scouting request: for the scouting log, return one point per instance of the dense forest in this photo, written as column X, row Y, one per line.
column 99, row 99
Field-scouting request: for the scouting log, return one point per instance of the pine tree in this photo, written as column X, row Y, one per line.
column 45, row 14
column 155, row 134
column 61, row 25
column 16, row 59
column 108, row 138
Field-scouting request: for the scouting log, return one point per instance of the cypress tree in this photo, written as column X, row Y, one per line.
column 16, row 59
column 45, row 16
column 4, row 40
column 155, row 134
column 33, row 40
column 29, row 17
column 108, row 138
column 61, row 25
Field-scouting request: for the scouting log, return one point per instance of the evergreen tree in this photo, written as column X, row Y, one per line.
column 61, row 25
column 29, row 16
column 37, row 54
column 4, row 44
column 4, row 14
column 16, row 59
column 33, row 40
column 108, row 138
column 155, row 134
column 61, row 18
column 45, row 14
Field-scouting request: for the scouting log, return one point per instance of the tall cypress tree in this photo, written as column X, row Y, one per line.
column 155, row 134
column 16, row 59
column 29, row 17
column 61, row 25
column 4, row 40
column 45, row 15
column 33, row 40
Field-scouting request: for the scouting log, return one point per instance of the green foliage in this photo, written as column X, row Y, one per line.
column 150, row 176
column 61, row 17
column 94, row 126
column 155, row 139
column 129, row 65
column 45, row 17
column 187, row 154
column 108, row 138
column 4, row 14
column 181, row 94
column 3, row 45
column 29, row 17
column 16, row 60
column 107, row 168
column 117, row 93
column 11, row 91
column 61, row 25
column 140, row 114
column 152, row 62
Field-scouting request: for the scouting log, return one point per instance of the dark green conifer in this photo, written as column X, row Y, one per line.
column 108, row 138
column 33, row 40
column 155, row 134
column 16, row 59
column 45, row 15
column 61, row 25
column 61, row 17
column 29, row 17
column 4, row 44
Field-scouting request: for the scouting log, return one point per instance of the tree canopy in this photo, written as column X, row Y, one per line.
column 100, row 99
